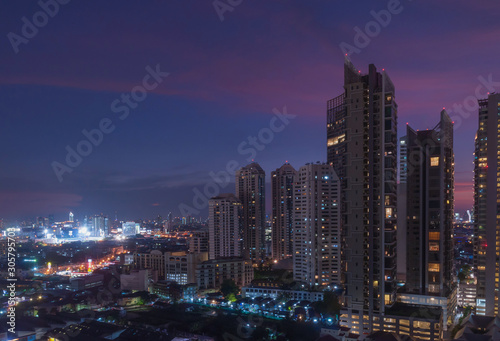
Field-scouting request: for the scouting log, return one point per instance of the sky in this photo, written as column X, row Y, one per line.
column 222, row 73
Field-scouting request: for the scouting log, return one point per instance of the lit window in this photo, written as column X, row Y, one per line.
column 434, row 161
column 433, row 267
column 388, row 212
column 336, row 140
column 433, row 246
column 434, row 236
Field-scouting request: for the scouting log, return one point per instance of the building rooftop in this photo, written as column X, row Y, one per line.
column 410, row 310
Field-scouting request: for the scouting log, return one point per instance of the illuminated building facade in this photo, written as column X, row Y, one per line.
column 430, row 209
column 430, row 214
column 282, row 180
column 316, row 230
column 224, row 226
column 362, row 147
column 487, row 206
column 250, row 190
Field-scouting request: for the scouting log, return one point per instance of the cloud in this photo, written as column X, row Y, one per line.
column 26, row 204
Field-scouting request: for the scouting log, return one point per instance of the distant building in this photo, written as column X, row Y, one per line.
column 135, row 280
column 3, row 247
column 172, row 290
column 212, row 273
column 198, row 241
column 153, row 260
column 130, row 228
column 250, row 190
column 181, row 266
column 87, row 282
column 100, row 226
column 316, row 230
column 224, row 226
column 282, row 182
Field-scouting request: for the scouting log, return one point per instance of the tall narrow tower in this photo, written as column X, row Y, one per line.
column 401, row 208
column 224, row 226
column 316, row 231
column 487, row 206
column 282, row 180
column 430, row 209
column 362, row 147
column 250, row 190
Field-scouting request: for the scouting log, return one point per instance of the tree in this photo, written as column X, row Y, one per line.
column 231, row 297
column 330, row 304
column 228, row 286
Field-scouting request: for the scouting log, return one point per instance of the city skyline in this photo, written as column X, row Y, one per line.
column 224, row 80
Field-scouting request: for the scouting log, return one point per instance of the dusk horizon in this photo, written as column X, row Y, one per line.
column 224, row 80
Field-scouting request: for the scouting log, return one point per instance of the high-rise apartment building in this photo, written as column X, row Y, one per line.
column 250, row 190
column 430, row 209
column 487, row 206
column 316, row 230
column 401, row 208
column 362, row 147
column 224, row 237
column 429, row 219
column 282, row 181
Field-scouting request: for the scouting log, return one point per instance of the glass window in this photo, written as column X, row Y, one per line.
column 433, row 246
column 433, row 267
column 434, row 235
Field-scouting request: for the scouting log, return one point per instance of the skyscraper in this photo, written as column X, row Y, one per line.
column 429, row 219
column 224, row 238
column 430, row 209
column 250, row 190
column 362, row 147
column 282, row 181
column 316, row 231
column 401, row 208
column 486, row 206
column 100, row 226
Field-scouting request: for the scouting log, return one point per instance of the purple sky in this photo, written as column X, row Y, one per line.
column 225, row 78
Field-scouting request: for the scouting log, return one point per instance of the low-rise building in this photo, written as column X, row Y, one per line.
column 419, row 322
column 448, row 305
column 87, row 282
column 210, row 274
column 135, row 280
column 174, row 291
column 153, row 260
column 181, row 266
column 276, row 293
column 198, row 241
column 466, row 295
column 483, row 328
